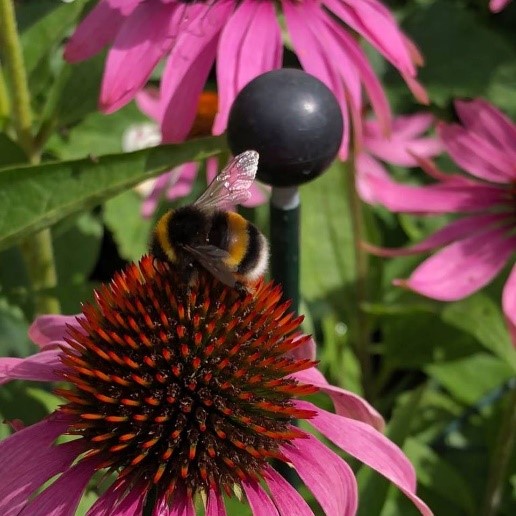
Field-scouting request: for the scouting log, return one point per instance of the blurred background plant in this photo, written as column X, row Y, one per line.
column 443, row 374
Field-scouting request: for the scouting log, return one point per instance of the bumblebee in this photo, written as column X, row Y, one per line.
column 207, row 234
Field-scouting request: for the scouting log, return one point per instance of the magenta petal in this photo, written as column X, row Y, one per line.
column 480, row 117
column 346, row 403
column 29, row 459
column 509, row 303
column 51, row 329
column 149, row 103
column 288, row 501
column 476, row 155
column 463, row 267
column 181, row 505
column 497, row 5
column 456, row 230
column 97, row 30
column 64, row 495
column 250, row 45
column 258, row 499
column 150, row 203
column 369, row 446
column 183, row 180
column 215, row 506
column 141, row 43
column 328, row 477
column 367, row 167
column 45, row 366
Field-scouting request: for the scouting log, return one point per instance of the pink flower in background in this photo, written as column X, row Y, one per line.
column 245, row 39
column 151, row 399
column 178, row 182
column 477, row 246
column 407, row 140
column 497, row 5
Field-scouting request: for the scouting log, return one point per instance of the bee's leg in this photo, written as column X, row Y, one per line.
column 241, row 289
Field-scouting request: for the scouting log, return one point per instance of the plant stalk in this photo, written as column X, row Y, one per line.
column 37, row 250
column 501, row 458
column 361, row 264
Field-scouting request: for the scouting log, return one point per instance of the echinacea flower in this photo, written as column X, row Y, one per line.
column 407, row 140
column 183, row 393
column 245, row 39
column 179, row 181
column 497, row 5
column 477, row 246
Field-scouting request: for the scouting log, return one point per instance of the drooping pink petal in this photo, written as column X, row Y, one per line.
column 151, row 201
column 305, row 351
column 98, row 29
column 497, row 5
column 328, row 477
column 509, row 303
column 369, row 78
column 133, row 502
column 455, row 195
column 215, row 506
column 45, row 366
column 370, row 447
column 29, row 459
column 63, row 495
column 258, row 499
column 51, row 329
column 148, row 101
column 182, row 181
column 182, row 504
column 142, row 41
column 250, row 45
column 367, row 167
column 377, row 25
column 463, row 267
column 456, row 230
column 288, row 501
column 476, row 155
column 480, row 117
column 346, row 403
column 311, row 52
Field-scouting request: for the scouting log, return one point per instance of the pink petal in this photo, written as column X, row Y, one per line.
column 132, row 503
column 51, row 329
column 369, row 446
column 311, row 51
column 456, row 230
column 182, row 183
column 216, row 505
column 455, row 195
column 150, row 203
column 288, row 501
column 305, row 351
column 346, row 403
column 509, row 303
column 63, row 495
column 376, row 24
column 182, row 504
column 476, row 155
column 259, row 195
column 497, row 5
column 463, row 267
column 149, row 103
column 142, row 41
column 29, row 459
column 258, row 499
column 328, row 477
column 367, row 167
column 250, row 45
column 45, row 366
column 98, row 29
column 480, row 117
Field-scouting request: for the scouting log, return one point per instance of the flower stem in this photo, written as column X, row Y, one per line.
column 15, row 67
column 37, row 250
column 4, row 100
column 361, row 266
column 501, row 458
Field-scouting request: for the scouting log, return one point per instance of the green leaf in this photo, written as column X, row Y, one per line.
column 34, row 197
column 10, row 152
column 480, row 316
column 471, row 378
column 438, row 476
column 463, row 53
column 13, row 331
column 43, row 25
column 130, row 230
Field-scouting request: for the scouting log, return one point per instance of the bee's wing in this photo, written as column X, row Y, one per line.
column 211, row 258
column 232, row 185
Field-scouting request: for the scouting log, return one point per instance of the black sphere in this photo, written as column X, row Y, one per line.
column 293, row 120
